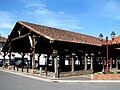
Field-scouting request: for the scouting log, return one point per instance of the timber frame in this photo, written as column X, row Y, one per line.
column 82, row 52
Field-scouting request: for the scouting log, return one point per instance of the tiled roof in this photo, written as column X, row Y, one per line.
column 61, row 35
column 3, row 39
column 117, row 40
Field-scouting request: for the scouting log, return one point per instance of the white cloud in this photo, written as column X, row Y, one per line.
column 42, row 14
column 33, row 4
column 4, row 16
column 5, row 25
column 6, row 22
column 112, row 6
column 37, row 12
column 61, row 13
column 111, row 9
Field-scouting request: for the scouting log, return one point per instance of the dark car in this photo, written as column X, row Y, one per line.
column 1, row 63
column 19, row 62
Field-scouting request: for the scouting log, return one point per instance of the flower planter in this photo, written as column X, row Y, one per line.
column 105, row 77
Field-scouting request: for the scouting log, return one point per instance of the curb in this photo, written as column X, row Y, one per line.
column 29, row 76
column 62, row 81
column 87, row 81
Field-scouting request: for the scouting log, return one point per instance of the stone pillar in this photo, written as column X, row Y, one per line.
column 33, row 61
column 33, row 52
column 104, row 63
column 85, row 68
column 116, row 64
column 91, row 65
column 111, row 62
column 72, row 63
column 40, row 70
column 56, row 66
column 40, row 67
column 55, row 63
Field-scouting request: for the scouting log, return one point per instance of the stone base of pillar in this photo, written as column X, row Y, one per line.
column 92, row 70
column 40, row 70
column 10, row 67
column 33, row 71
column 56, row 75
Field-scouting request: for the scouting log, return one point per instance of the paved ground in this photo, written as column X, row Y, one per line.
column 10, row 81
column 49, row 77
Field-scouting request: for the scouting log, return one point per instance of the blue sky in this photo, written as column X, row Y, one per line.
column 89, row 17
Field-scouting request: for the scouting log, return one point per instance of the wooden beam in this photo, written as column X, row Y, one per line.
column 20, row 37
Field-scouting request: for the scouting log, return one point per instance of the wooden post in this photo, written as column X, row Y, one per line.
column 46, row 64
column 4, row 60
column 23, row 61
column 27, row 66
column 85, row 58
column 14, row 67
column 62, row 62
column 30, row 61
column 9, row 58
column 17, row 68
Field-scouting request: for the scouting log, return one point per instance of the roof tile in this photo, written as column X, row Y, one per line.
column 63, row 35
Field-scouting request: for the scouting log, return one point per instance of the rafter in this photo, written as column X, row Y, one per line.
column 20, row 37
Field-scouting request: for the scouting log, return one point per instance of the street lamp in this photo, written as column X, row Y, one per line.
column 106, row 63
column 101, row 36
column 113, row 35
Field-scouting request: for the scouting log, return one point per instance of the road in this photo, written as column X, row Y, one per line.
column 15, row 82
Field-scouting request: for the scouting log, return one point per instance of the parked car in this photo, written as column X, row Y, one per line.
column 1, row 63
column 18, row 62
